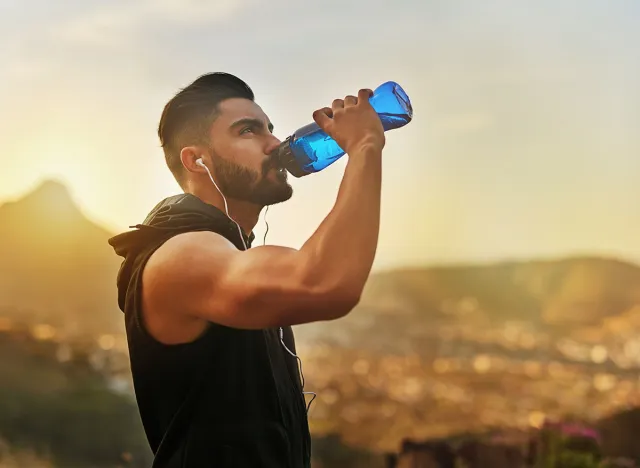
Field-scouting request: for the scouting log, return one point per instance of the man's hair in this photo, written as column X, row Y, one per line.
column 187, row 117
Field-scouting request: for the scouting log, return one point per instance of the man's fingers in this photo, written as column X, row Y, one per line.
column 350, row 101
column 364, row 95
column 323, row 117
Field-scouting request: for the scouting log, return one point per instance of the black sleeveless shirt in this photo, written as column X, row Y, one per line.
column 231, row 398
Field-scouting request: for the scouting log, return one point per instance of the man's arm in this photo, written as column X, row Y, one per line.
column 202, row 275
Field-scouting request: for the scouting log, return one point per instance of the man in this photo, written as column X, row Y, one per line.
column 208, row 320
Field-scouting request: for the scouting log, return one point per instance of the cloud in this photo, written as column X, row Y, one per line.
column 98, row 28
column 463, row 123
column 46, row 39
column 199, row 11
column 118, row 23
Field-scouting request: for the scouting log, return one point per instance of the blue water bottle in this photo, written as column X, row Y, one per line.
column 310, row 149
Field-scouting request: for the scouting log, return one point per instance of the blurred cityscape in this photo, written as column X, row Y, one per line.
column 460, row 379
column 429, row 354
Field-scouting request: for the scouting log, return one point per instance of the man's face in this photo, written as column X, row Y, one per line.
column 241, row 141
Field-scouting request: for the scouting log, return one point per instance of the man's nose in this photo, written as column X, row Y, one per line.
column 272, row 144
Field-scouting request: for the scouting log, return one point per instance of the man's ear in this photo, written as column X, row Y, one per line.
column 189, row 155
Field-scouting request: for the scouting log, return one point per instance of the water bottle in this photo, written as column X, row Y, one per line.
column 310, row 149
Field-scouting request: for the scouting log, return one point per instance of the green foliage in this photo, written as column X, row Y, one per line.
column 571, row 459
column 66, row 412
column 574, row 446
column 330, row 452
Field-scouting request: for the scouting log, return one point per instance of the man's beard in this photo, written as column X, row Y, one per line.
column 241, row 183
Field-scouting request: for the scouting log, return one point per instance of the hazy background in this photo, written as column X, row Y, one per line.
column 525, row 140
column 506, row 290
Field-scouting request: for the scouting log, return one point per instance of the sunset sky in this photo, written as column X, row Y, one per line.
column 525, row 141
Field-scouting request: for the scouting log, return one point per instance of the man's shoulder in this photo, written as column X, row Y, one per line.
column 192, row 245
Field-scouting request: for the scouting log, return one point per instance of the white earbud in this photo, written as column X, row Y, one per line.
column 200, row 163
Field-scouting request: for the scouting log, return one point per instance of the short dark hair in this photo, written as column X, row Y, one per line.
column 187, row 117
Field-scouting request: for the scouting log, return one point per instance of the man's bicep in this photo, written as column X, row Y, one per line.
column 204, row 276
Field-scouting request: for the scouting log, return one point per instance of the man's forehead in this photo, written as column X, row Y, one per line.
column 231, row 110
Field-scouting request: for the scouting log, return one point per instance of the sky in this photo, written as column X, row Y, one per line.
column 525, row 141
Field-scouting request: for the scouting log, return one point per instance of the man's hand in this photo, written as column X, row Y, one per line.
column 353, row 124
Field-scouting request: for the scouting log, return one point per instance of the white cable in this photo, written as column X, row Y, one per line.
column 226, row 207
column 264, row 240
column 299, row 361
column 300, row 367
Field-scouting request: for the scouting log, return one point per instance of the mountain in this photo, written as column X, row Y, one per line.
column 57, row 267
column 557, row 292
column 557, row 296
column 435, row 350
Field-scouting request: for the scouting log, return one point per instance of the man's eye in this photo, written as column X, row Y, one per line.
column 246, row 130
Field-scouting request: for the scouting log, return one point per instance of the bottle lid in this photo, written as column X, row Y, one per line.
column 287, row 159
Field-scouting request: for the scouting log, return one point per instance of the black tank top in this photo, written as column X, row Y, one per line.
column 231, row 398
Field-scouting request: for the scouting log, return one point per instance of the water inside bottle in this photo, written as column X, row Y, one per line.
column 391, row 121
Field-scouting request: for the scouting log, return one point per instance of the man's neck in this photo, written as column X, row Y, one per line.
column 244, row 213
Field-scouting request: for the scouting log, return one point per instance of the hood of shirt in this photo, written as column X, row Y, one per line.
column 172, row 216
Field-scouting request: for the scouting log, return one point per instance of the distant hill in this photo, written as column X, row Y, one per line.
column 557, row 292
column 56, row 264
column 57, row 267
column 555, row 295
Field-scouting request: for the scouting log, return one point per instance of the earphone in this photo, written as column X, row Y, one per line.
column 301, row 373
column 201, row 163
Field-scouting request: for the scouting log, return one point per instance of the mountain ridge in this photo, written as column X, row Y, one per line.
column 57, row 263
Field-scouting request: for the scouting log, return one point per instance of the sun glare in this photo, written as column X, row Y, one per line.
column 66, row 164
column 74, row 166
